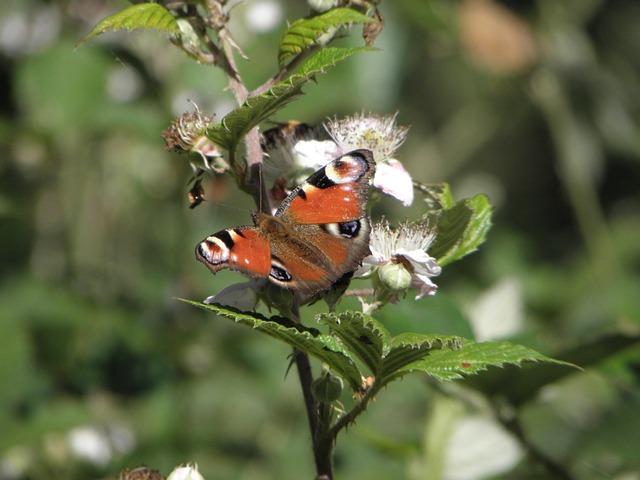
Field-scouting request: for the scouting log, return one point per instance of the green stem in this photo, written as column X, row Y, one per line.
column 318, row 413
column 351, row 415
column 322, row 441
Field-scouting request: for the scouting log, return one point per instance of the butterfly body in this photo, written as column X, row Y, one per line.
column 318, row 234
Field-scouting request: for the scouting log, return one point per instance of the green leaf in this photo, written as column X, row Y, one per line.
column 237, row 123
column 473, row 357
column 143, row 15
column 383, row 355
column 521, row 387
column 307, row 32
column 407, row 348
column 437, row 196
column 323, row 347
column 327, row 58
column 460, row 229
column 360, row 334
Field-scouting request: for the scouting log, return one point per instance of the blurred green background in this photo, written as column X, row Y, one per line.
column 535, row 103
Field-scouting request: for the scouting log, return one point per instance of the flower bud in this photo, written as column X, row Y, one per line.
column 327, row 388
column 395, row 276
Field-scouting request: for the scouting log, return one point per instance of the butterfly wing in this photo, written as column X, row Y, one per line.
column 328, row 232
column 335, row 193
column 243, row 249
column 318, row 234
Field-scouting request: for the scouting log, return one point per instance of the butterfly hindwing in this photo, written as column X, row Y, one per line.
column 243, row 249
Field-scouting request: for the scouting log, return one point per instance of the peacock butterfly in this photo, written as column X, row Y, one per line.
column 318, row 235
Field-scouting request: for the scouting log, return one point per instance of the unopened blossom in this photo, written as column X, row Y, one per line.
column 399, row 259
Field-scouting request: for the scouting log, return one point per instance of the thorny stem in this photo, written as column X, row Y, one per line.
column 350, row 417
column 222, row 55
column 321, row 438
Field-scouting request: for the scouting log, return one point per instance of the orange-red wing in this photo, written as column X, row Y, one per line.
column 338, row 203
column 335, row 193
column 250, row 254
column 242, row 249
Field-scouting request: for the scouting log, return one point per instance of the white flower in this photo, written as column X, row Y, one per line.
column 295, row 150
column 394, row 180
column 190, row 472
column 395, row 254
column 380, row 135
column 373, row 132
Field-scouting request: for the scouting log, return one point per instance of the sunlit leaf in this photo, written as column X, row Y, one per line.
column 307, row 32
column 360, row 334
column 143, row 15
column 407, row 348
column 237, row 123
column 472, row 358
column 437, row 196
column 323, row 347
column 460, row 229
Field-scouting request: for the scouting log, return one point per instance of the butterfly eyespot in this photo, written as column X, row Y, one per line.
column 347, row 169
column 349, row 229
column 344, row 229
column 213, row 250
column 279, row 273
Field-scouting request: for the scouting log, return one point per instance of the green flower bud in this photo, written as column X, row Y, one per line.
column 327, row 388
column 395, row 277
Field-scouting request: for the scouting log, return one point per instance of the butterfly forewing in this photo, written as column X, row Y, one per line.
column 335, row 193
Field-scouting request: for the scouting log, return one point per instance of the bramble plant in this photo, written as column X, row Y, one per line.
column 358, row 356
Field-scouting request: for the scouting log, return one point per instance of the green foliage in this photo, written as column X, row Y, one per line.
column 472, row 358
column 307, row 32
column 93, row 222
column 237, row 123
column 144, row 15
column 306, row 339
column 460, row 227
column 355, row 337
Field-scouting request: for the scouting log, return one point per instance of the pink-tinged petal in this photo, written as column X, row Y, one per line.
column 424, row 285
column 392, row 178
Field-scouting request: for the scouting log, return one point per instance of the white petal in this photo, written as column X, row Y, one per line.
column 394, row 180
column 190, row 472
column 242, row 296
column 368, row 264
column 316, row 153
column 422, row 263
column 424, row 285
